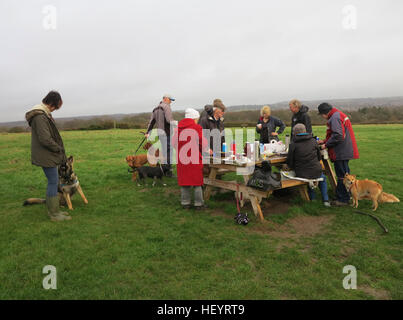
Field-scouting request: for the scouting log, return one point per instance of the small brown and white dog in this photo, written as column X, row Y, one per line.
column 367, row 189
column 152, row 157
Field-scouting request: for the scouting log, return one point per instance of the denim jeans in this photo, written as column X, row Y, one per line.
column 186, row 197
column 341, row 168
column 323, row 190
column 52, row 175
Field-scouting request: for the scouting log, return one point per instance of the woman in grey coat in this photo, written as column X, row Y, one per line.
column 47, row 149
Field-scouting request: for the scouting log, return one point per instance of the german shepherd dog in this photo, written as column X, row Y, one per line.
column 367, row 189
column 68, row 186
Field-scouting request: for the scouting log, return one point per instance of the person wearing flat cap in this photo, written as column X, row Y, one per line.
column 341, row 145
column 213, row 118
column 189, row 143
column 161, row 118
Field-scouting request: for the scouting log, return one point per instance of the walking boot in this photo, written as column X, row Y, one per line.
column 52, row 203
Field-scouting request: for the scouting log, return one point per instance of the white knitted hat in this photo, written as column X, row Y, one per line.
column 192, row 113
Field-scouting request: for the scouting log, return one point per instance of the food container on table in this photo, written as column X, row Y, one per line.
column 324, row 154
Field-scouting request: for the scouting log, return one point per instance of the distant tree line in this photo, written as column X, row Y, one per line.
column 367, row 115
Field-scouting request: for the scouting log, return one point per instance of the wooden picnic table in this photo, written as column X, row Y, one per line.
column 246, row 170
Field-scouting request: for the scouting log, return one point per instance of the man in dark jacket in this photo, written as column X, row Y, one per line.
column 340, row 141
column 212, row 118
column 304, row 158
column 300, row 115
column 161, row 118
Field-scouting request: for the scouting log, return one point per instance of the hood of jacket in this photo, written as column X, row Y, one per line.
column 304, row 109
column 186, row 123
column 209, row 110
column 38, row 109
column 302, row 137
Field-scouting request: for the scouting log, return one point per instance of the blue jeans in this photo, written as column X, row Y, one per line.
column 323, row 190
column 341, row 168
column 52, row 175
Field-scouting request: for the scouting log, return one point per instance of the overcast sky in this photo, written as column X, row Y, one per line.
column 121, row 56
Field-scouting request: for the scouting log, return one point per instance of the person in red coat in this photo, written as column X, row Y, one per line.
column 189, row 143
column 342, row 146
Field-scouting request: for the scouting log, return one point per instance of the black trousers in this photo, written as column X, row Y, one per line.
column 341, row 167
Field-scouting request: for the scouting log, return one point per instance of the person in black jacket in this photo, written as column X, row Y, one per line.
column 304, row 158
column 267, row 124
column 299, row 115
column 213, row 118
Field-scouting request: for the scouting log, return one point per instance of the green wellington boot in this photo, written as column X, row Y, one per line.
column 52, row 203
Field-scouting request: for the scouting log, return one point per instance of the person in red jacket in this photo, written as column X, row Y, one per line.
column 189, row 143
column 340, row 141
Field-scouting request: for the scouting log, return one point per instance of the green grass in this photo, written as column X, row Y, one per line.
column 137, row 243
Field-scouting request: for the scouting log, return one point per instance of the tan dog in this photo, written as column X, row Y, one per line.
column 367, row 189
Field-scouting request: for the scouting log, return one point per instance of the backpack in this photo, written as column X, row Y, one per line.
column 262, row 178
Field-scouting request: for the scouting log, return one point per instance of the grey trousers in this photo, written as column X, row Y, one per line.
column 186, row 197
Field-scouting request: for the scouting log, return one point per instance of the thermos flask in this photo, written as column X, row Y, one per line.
column 287, row 141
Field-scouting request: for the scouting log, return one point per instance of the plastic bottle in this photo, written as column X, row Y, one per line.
column 256, row 149
column 233, row 147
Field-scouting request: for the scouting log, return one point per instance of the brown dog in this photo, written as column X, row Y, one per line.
column 151, row 157
column 367, row 189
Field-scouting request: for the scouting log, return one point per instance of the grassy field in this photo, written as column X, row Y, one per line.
column 134, row 242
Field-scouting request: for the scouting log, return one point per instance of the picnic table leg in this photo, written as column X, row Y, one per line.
column 254, row 201
column 212, row 175
column 304, row 192
column 256, row 207
column 330, row 174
